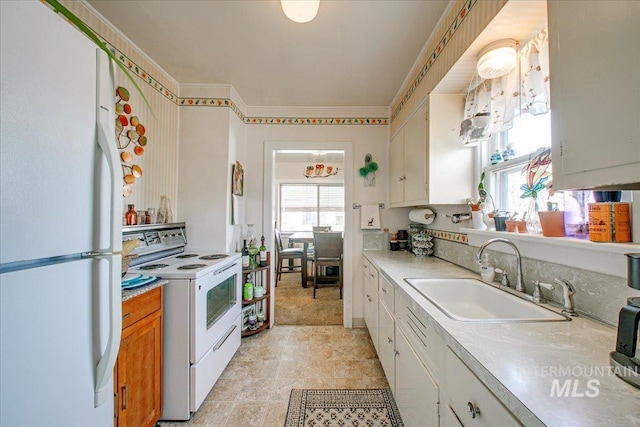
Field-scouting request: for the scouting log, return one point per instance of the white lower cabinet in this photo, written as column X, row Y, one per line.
column 470, row 402
column 371, row 311
column 431, row 385
column 416, row 393
column 386, row 344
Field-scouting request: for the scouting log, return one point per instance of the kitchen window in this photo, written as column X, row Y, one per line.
column 303, row 206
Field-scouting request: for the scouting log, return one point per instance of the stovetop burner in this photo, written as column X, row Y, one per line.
column 213, row 256
column 153, row 266
column 186, row 256
column 191, row 266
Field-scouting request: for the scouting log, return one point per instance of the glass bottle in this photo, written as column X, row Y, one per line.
column 245, row 255
column 251, row 235
column 263, row 253
column 152, row 215
column 163, row 210
column 533, row 219
column 131, row 216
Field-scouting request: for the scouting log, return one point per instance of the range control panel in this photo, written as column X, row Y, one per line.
column 155, row 239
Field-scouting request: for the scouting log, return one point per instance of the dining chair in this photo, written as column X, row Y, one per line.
column 289, row 254
column 321, row 228
column 327, row 253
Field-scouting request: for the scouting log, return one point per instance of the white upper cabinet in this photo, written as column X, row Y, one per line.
column 428, row 164
column 594, row 58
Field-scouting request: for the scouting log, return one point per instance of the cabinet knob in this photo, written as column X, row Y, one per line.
column 473, row 410
column 384, row 290
column 402, row 178
column 389, row 340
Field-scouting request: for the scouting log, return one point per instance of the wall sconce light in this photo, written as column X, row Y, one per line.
column 300, row 11
column 497, row 58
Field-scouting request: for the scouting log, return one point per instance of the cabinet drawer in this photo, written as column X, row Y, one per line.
column 141, row 306
column 473, row 403
column 386, row 293
column 373, row 275
column 422, row 337
column 387, row 345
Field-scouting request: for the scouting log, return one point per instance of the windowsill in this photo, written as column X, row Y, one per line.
column 605, row 258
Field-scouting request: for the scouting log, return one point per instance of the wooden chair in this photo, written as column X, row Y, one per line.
column 289, row 254
column 327, row 253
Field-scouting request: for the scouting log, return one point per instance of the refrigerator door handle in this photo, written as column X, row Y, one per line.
column 104, row 370
column 104, row 116
column 106, row 142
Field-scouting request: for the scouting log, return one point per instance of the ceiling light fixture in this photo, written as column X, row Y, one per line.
column 497, row 59
column 300, row 11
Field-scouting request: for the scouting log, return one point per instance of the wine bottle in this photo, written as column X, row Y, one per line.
column 263, row 253
column 245, row 256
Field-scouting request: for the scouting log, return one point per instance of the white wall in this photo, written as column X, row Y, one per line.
column 360, row 139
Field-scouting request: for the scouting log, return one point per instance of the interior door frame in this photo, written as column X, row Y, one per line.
column 269, row 206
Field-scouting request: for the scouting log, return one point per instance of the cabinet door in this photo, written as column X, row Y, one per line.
column 396, row 168
column 594, row 61
column 416, row 392
column 386, row 344
column 415, row 157
column 140, row 373
column 371, row 312
column 472, row 402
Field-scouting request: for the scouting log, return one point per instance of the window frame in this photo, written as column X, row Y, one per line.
column 318, row 210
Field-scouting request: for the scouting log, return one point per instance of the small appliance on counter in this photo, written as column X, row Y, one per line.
column 625, row 359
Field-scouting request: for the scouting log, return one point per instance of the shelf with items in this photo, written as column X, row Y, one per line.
column 256, row 315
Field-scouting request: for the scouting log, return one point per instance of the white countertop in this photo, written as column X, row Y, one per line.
column 519, row 362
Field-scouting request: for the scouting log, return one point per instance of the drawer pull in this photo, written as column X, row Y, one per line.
column 372, row 275
column 223, row 339
column 125, row 397
column 124, row 316
column 473, row 410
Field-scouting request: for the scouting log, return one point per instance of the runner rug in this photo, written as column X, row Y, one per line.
column 368, row 408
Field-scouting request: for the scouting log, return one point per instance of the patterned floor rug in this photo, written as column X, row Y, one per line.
column 357, row 408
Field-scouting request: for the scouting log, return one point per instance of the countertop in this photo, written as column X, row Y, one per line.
column 519, row 362
column 131, row 293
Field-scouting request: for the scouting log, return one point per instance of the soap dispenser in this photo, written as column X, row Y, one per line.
column 487, row 272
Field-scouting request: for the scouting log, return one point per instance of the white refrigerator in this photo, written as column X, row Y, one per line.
column 60, row 223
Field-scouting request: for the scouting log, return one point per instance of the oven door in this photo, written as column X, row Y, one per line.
column 215, row 303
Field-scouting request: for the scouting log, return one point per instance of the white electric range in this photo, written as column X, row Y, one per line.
column 202, row 307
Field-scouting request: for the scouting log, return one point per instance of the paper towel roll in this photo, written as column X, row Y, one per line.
column 422, row 216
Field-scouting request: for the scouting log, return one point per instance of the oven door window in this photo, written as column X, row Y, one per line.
column 220, row 299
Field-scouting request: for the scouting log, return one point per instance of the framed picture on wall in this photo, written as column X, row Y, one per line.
column 237, row 180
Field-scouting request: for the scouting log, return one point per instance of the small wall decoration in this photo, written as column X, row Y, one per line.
column 320, row 171
column 237, row 180
column 368, row 172
column 130, row 139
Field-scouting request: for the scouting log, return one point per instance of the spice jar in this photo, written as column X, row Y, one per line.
column 131, row 217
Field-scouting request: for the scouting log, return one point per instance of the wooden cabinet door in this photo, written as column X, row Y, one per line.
column 140, row 373
column 396, row 169
column 595, row 116
column 415, row 157
column 416, row 393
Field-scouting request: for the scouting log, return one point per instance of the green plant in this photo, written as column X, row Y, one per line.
column 481, row 191
column 59, row 8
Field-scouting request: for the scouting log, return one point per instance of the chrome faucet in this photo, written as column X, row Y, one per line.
column 567, row 295
column 519, row 281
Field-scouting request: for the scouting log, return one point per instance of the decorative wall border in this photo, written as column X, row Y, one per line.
column 453, row 27
column 212, row 102
column 448, row 235
column 315, row 121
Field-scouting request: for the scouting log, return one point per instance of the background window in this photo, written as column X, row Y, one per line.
column 304, row 205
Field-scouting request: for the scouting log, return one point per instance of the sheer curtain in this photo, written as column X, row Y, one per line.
column 525, row 90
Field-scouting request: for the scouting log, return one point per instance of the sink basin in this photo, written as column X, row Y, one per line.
column 471, row 300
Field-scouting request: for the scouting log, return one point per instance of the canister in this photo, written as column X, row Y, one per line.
column 609, row 222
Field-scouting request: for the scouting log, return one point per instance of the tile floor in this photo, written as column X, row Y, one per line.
column 254, row 389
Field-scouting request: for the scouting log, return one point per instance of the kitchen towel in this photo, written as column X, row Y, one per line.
column 370, row 217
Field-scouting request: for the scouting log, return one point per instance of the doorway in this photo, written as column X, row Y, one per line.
column 290, row 163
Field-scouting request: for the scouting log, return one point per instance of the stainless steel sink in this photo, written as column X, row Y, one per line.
column 471, row 300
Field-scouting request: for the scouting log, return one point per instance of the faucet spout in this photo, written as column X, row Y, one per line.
column 519, row 281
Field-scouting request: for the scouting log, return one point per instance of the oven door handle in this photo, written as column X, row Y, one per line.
column 222, row 270
column 224, row 338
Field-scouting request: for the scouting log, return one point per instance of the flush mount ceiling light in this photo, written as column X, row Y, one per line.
column 497, row 59
column 300, row 11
